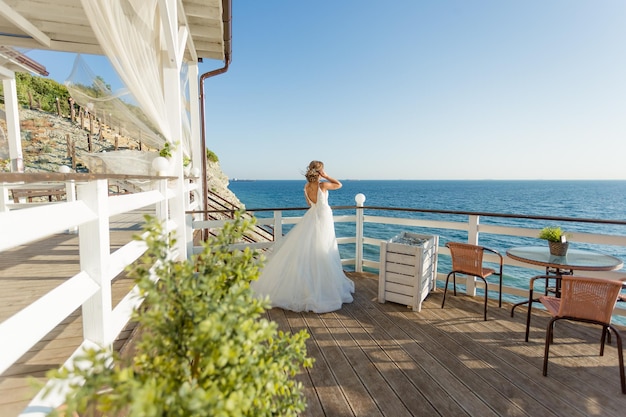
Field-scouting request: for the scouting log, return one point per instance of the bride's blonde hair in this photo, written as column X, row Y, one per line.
column 313, row 171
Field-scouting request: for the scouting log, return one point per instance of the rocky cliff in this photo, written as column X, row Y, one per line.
column 46, row 140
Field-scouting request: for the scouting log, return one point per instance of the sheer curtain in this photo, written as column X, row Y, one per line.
column 130, row 34
column 117, row 108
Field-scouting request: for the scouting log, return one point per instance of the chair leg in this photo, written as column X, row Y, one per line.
column 549, row 335
column 605, row 332
column 500, row 294
column 530, row 307
column 454, row 282
column 445, row 290
column 486, row 297
column 620, row 356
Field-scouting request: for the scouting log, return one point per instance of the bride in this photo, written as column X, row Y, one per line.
column 304, row 272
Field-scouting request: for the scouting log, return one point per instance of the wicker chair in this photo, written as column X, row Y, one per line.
column 468, row 259
column 589, row 300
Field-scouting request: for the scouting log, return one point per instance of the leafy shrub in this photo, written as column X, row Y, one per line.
column 205, row 348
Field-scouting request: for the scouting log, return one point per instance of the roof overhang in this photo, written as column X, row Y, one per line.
column 61, row 25
column 16, row 61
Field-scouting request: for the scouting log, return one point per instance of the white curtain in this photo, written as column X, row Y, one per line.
column 118, row 108
column 130, row 34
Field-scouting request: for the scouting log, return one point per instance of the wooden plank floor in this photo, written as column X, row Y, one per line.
column 385, row 360
column 371, row 359
column 26, row 274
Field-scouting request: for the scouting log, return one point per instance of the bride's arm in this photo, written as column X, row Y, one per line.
column 330, row 183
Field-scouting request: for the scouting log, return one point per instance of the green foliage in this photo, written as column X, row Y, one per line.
column 210, row 155
column 206, row 348
column 552, row 234
column 42, row 89
column 166, row 150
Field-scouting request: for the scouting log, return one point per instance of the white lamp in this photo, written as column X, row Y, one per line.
column 360, row 199
column 64, row 169
column 195, row 172
column 160, row 165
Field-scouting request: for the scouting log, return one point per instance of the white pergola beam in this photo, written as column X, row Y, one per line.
column 18, row 20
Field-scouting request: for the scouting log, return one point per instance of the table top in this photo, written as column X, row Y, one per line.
column 575, row 259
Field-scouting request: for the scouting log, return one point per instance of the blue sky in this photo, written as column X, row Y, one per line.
column 417, row 89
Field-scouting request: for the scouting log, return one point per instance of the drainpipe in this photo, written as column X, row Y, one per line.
column 227, row 20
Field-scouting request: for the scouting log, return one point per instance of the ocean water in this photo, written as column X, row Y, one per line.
column 576, row 199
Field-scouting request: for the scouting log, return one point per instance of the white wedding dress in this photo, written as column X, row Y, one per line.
column 304, row 273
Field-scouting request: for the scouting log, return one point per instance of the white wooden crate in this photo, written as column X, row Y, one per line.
column 408, row 269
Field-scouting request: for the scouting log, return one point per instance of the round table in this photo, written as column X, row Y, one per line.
column 557, row 266
column 575, row 259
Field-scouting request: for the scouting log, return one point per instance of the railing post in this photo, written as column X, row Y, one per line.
column 94, row 252
column 189, row 233
column 472, row 237
column 278, row 226
column 4, row 198
column 70, row 192
column 360, row 199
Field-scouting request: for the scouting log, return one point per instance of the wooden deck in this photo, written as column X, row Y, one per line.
column 372, row 359
column 26, row 274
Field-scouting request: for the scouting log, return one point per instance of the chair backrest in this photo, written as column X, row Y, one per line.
column 588, row 298
column 466, row 257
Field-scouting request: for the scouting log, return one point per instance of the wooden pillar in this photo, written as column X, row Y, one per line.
column 70, row 102
column 68, row 143
column 91, row 123
column 73, row 155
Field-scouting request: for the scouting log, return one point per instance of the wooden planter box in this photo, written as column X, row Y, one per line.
column 408, row 269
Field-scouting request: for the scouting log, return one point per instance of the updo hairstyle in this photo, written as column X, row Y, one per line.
column 313, row 171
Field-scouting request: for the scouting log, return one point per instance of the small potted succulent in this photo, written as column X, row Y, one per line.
column 557, row 240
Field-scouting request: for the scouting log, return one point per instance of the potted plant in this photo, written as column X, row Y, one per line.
column 205, row 346
column 557, row 240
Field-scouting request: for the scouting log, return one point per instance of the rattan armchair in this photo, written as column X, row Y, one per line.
column 589, row 300
column 468, row 259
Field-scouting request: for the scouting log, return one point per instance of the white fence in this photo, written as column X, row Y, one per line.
column 87, row 210
column 476, row 233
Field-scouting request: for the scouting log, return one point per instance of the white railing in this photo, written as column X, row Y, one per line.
column 476, row 232
column 87, row 211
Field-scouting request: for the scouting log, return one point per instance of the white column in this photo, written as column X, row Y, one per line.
column 172, row 62
column 196, row 134
column 360, row 199
column 194, row 111
column 13, row 123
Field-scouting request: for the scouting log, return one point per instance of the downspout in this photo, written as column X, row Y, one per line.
column 227, row 20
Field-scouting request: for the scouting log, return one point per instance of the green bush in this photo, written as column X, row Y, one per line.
column 206, row 348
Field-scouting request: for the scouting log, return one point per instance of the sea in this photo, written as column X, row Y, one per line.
column 591, row 199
